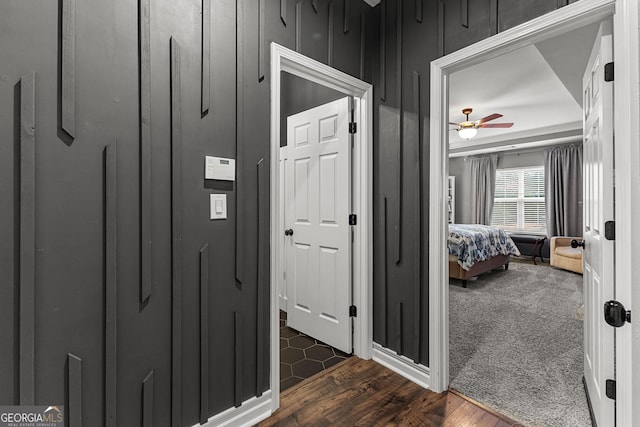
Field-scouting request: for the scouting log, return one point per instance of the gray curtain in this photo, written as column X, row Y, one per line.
column 563, row 190
column 483, row 185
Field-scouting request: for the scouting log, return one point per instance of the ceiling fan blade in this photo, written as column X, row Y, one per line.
column 495, row 125
column 489, row 118
column 454, row 124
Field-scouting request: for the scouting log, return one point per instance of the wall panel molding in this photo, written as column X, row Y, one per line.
column 384, row 273
column 298, row 42
column 400, row 161
column 346, row 16
column 262, row 54
column 204, row 334
column 419, row 12
column 464, row 13
column 363, row 44
column 111, row 284
column 27, row 255
column 493, row 16
column 144, row 28
column 330, row 34
column 147, row 400
column 263, row 241
column 440, row 28
column 176, row 236
column 237, row 345
column 283, row 12
column 205, row 82
column 399, row 332
column 68, row 74
column 239, row 193
column 416, row 157
column 383, row 50
column 74, row 391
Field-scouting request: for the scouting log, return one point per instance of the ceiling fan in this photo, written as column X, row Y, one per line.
column 469, row 128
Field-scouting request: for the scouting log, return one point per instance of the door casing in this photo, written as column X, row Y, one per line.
column 627, row 154
column 283, row 59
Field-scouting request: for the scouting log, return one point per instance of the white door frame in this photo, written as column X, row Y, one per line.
column 627, row 82
column 283, row 59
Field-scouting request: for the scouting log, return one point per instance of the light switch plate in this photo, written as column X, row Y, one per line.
column 218, row 206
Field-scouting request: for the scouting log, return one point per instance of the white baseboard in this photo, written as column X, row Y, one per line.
column 251, row 412
column 402, row 365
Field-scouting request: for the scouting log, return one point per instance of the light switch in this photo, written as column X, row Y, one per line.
column 218, row 206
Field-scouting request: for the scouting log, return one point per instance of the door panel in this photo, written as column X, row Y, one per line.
column 328, row 190
column 598, row 208
column 302, row 298
column 301, row 190
column 317, row 205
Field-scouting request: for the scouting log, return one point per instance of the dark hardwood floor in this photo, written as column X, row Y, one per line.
column 360, row 392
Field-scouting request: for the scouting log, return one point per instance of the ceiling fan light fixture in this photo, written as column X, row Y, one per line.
column 469, row 128
column 467, row 132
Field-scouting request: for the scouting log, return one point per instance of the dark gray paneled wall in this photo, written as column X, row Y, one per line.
column 144, row 312
column 413, row 33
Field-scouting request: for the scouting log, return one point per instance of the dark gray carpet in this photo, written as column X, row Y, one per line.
column 516, row 344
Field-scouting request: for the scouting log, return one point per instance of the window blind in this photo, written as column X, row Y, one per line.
column 519, row 203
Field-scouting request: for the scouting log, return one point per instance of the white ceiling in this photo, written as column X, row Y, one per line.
column 537, row 87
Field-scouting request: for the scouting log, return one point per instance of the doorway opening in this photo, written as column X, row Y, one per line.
column 563, row 20
column 290, row 64
column 514, row 318
column 315, row 291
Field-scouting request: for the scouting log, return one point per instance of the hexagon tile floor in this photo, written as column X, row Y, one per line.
column 302, row 356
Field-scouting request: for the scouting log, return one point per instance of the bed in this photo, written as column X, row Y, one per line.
column 475, row 249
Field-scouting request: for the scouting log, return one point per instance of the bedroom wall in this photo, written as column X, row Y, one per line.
column 412, row 35
column 458, row 168
column 119, row 298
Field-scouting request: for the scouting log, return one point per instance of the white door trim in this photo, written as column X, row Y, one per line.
column 283, row 59
column 626, row 51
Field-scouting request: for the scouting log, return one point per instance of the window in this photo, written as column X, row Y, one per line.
column 518, row 203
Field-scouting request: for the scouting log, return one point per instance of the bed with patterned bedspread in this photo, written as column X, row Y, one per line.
column 475, row 249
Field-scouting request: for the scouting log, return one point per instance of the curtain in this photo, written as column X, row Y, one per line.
column 483, row 184
column 563, row 190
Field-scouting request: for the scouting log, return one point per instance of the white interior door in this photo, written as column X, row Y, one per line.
column 598, row 208
column 317, row 205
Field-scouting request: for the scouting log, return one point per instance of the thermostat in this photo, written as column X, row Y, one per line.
column 219, row 168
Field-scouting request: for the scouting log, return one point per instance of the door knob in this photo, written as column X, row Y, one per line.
column 575, row 243
column 288, row 232
column 615, row 314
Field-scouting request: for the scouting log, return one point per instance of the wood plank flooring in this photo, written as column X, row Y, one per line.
column 360, row 392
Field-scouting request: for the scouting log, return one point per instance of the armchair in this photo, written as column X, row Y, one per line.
column 564, row 256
